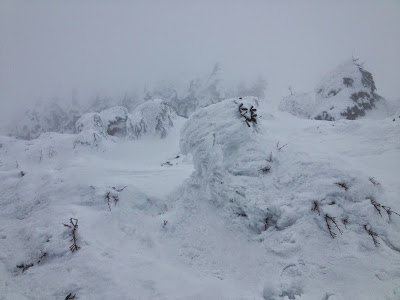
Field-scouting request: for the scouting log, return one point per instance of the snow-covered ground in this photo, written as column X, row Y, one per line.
column 155, row 225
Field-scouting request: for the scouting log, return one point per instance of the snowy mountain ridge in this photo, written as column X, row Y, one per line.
column 272, row 207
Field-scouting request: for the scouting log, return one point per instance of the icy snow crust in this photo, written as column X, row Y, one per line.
column 232, row 230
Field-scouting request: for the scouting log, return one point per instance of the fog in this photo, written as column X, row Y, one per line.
column 57, row 48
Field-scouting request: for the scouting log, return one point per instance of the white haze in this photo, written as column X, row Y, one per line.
column 57, row 48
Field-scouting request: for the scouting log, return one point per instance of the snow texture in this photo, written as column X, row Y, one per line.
column 153, row 118
column 215, row 210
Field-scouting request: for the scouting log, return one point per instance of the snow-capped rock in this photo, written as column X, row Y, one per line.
column 347, row 92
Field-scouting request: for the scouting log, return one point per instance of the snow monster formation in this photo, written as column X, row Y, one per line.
column 347, row 92
column 311, row 214
column 153, row 117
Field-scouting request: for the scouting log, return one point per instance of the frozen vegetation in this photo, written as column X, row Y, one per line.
column 238, row 201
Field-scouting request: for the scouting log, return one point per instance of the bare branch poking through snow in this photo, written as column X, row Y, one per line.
column 372, row 234
column 110, row 196
column 265, row 169
column 343, row 185
column 248, row 114
column 376, row 205
column 165, row 223
column 24, row 267
column 74, row 225
column 373, row 181
column 270, row 158
column 316, row 207
column 345, row 222
column 389, row 211
column 70, row 296
column 280, row 148
column 118, row 190
column 333, row 220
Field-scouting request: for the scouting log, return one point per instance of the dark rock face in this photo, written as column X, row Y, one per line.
column 346, row 93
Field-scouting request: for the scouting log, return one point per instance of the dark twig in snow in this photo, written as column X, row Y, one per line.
column 270, row 158
column 280, row 148
column 372, row 234
column 70, row 296
column 343, row 185
column 316, row 207
column 119, row 190
column 24, row 267
column 345, row 222
column 165, row 223
column 374, row 182
column 389, row 211
column 244, row 113
column 333, row 220
column 74, row 225
column 114, row 197
column 265, row 169
column 376, row 205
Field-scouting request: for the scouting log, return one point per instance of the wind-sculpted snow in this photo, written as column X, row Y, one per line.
column 153, row 118
column 314, row 210
column 347, row 92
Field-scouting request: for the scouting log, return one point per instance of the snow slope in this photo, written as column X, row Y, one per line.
column 198, row 231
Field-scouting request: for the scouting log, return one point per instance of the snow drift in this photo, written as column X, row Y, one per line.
column 312, row 210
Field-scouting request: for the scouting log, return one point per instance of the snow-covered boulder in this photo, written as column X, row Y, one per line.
column 347, row 92
column 154, row 117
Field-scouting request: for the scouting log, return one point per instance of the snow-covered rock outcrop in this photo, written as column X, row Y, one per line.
column 153, row 117
column 311, row 210
column 347, row 92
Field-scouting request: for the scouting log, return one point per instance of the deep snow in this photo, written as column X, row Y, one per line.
column 197, row 231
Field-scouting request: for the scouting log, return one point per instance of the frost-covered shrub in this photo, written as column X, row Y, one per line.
column 154, row 117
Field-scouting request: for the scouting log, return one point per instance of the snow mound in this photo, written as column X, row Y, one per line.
column 299, row 104
column 153, row 117
column 347, row 92
column 313, row 210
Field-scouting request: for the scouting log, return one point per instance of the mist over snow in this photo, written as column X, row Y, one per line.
column 209, row 150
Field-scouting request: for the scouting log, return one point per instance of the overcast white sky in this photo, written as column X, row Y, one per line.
column 49, row 48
